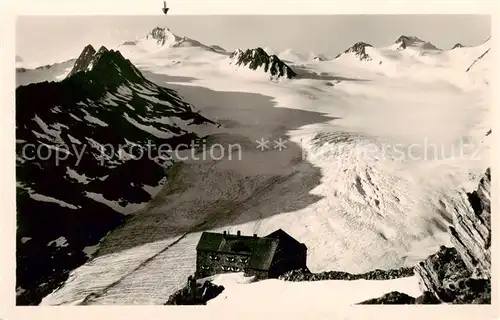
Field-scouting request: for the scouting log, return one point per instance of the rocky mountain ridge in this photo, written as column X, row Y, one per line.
column 258, row 58
column 86, row 155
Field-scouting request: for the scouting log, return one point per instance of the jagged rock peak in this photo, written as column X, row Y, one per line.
column 359, row 50
column 258, row 57
column 84, row 59
column 250, row 53
column 457, row 45
column 109, row 64
column 102, row 49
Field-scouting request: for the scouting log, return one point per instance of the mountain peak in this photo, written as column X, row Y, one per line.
column 83, row 61
column 404, row 38
column 404, row 42
column 257, row 58
column 163, row 36
column 166, row 38
column 107, row 66
column 359, row 50
column 457, row 45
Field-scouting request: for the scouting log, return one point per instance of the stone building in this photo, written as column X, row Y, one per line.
column 262, row 257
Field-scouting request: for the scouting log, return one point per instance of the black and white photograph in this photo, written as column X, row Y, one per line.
column 253, row 161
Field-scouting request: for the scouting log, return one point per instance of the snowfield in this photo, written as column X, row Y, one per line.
column 376, row 159
column 273, row 293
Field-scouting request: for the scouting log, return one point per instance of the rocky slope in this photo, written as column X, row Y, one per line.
column 258, row 58
column 457, row 275
column 87, row 155
column 462, row 274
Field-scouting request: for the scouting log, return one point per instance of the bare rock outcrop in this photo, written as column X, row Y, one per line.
column 306, row 275
column 195, row 293
column 471, row 234
column 461, row 275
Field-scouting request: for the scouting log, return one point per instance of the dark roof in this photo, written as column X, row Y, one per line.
column 283, row 236
column 260, row 250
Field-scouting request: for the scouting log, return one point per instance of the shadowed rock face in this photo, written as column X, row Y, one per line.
column 457, row 45
column 472, row 232
column 86, row 155
column 256, row 58
column 461, row 275
column 83, row 61
column 359, row 50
